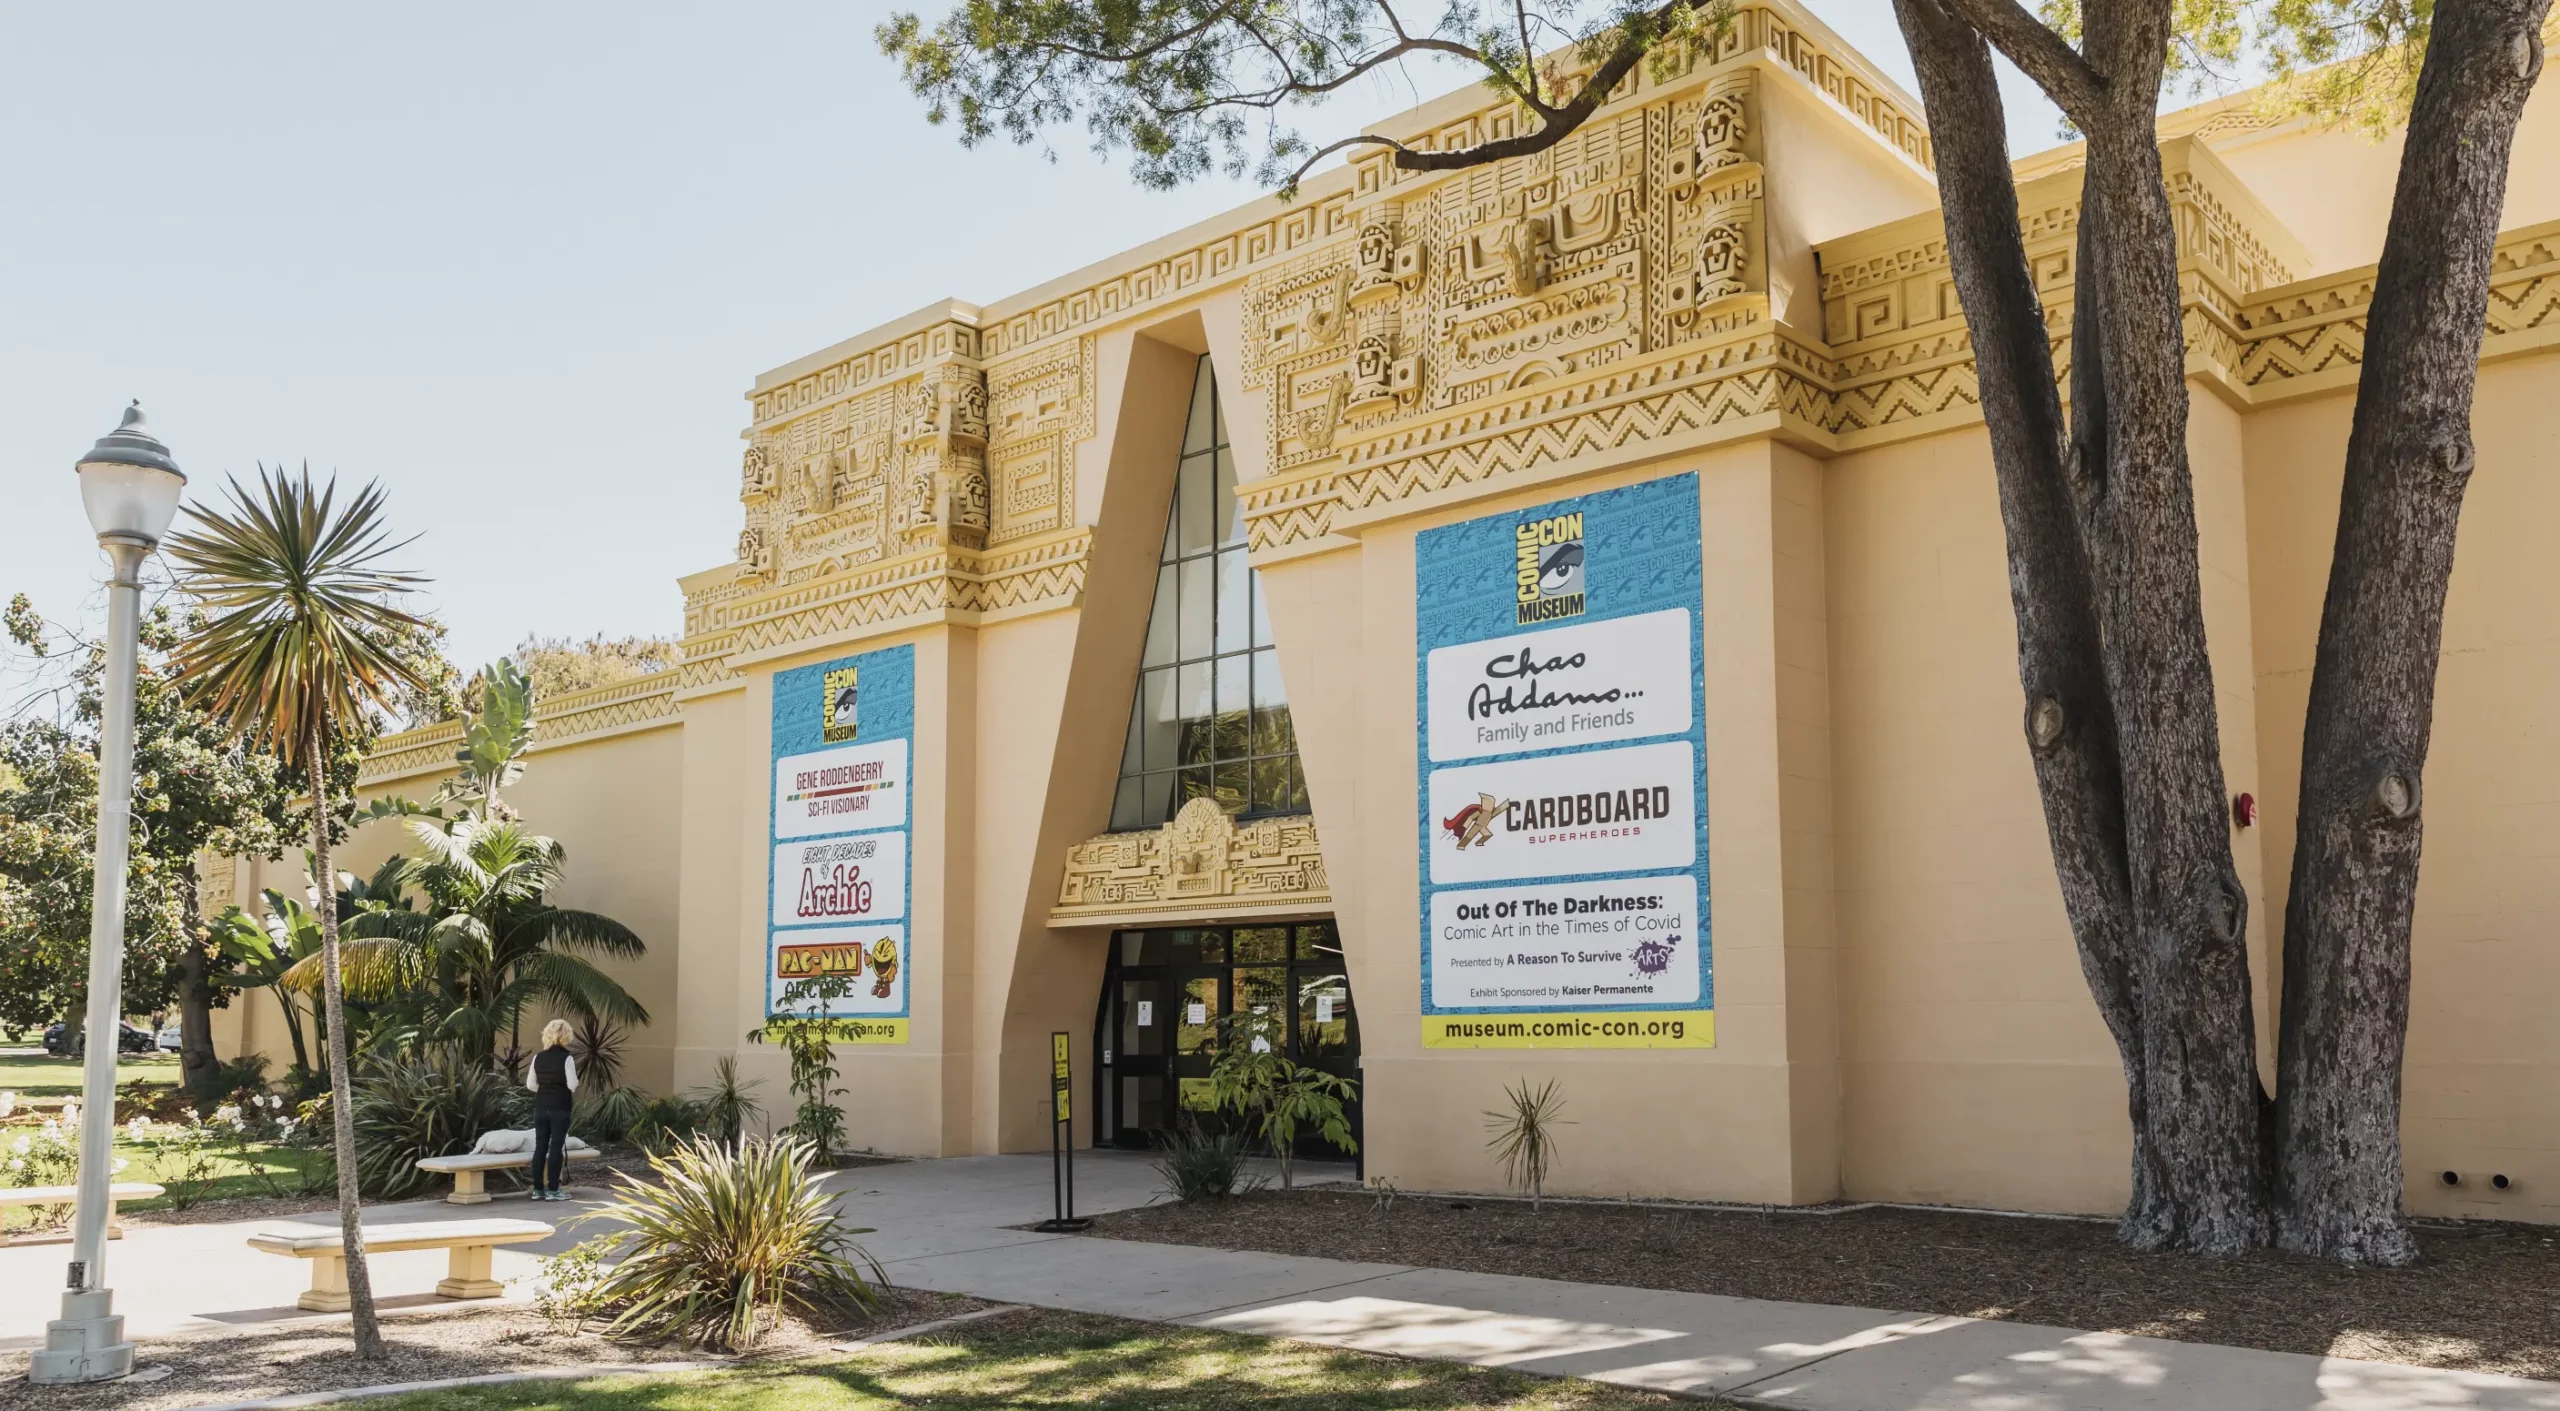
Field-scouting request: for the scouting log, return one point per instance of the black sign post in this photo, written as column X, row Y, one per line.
column 1062, row 1142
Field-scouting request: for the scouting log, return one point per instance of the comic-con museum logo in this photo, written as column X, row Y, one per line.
column 842, row 719
column 1549, row 568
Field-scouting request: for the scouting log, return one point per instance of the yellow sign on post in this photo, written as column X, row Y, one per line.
column 1062, row 1165
column 1060, row 1069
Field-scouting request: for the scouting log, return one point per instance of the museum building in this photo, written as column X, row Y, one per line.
column 1542, row 621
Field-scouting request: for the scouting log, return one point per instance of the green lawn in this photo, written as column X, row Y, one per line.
column 226, row 1174
column 37, row 1075
column 1038, row 1360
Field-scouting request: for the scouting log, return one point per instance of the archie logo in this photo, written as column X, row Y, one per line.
column 1549, row 568
column 841, row 719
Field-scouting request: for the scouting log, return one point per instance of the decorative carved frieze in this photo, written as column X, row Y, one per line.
column 1202, row 866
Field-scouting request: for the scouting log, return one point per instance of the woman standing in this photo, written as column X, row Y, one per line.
column 553, row 1077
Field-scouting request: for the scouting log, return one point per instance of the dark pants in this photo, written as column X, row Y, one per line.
column 550, row 1138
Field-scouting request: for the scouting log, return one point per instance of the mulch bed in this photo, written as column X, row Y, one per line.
column 308, row 1355
column 2486, row 1296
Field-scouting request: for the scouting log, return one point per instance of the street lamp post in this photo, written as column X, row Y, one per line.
column 130, row 488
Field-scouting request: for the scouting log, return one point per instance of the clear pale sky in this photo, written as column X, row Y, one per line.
column 519, row 262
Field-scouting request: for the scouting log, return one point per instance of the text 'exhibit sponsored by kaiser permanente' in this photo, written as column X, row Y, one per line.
column 843, row 731
column 1563, row 768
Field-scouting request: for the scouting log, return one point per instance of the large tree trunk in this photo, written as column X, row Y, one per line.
column 2345, row 1007
column 2101, row 536
column 342, row 1091
column 196, row 1063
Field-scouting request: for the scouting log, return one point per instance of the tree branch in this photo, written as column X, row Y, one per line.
column 2043, row 55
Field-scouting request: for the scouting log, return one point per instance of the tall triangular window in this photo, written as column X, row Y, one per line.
column 1211, row 719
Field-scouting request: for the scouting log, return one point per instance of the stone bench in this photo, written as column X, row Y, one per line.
column 70, row 1195
column 467, row 1276
column 470, row 1170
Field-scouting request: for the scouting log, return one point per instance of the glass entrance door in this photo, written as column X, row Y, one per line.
column 1163, row 994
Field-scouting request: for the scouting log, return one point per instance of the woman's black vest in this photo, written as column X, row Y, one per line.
column 551, row 1080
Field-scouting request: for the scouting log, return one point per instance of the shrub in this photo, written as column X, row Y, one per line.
column 809, row 1039
column 665, row 1122
column 230, row 1082
column 727, row 1103
column 1200, row 1165
column 1524, row 1135
column 1253, row 1079
column 606, row 1114
column 566, row 1295
column 727, row 1242
column 597, row 1044
column 433, row 1104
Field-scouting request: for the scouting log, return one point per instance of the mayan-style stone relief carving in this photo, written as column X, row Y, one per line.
column 1038, row 409
column 1199, row 861
column 755, row 553
column 755, row 474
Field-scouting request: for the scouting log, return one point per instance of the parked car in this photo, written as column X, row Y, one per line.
column 130, row 1038
column 169, row 1037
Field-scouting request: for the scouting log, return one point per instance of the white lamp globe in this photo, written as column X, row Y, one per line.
column 128, row 484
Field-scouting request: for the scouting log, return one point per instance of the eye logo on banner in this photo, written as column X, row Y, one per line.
column 1549, row 568
column 842, row 720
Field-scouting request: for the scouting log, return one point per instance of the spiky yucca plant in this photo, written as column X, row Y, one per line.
column 1524, row 1135
column 726, row 1243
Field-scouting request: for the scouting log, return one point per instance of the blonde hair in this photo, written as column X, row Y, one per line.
column 555, row 1034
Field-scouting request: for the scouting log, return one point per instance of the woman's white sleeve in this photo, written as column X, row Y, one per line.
column 569, row 1065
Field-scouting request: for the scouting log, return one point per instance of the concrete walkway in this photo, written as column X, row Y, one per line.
column 948, row 1225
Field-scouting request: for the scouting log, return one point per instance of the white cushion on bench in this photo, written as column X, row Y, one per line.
column 516, row 1140
column 498, row 1161
column 310, row 1242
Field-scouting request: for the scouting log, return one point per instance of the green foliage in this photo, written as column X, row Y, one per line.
column 433, row 1103
column 495, row 737
column 1202, row 1165
column 487, row 947
column 600, row 1114
column 727, row 1103
column 663, row 1122
column 1277, row 1096
column 724, row 1243
column 2339, row 62
column 558, row 666
column 196, row 789
column 1187, row 87
column 809, row 1041
column 567, row 1292
column 1524, row 1135
column 596, row 1042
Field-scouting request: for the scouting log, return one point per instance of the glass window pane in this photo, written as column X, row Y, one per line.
column 1324, row 1016
column 1217, row 412
column 1262, row 989
column 1195, row 698
column 1261, row 613
column 1160, row 622
column 1194, row 503
column 1318, row 940
column 1203, row 422
column 1235, row 693
column 1232, row 786
column 1194, row 785
column 1163, row 725
column 1271, row 785
column 1155, row 799
column 1235, row 600
column 1133, row 751
column 1260, row 945
column 1200, row 1011
column 1129, row 808
column 1230, row 510
column 1197, row 602
column 1268, row 689
column 1171, row 548
column 1298, row 787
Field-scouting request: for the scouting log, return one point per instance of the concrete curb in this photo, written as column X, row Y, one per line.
column 567, row 1374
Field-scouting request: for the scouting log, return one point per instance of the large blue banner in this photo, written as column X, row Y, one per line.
column 1562, row 759
column 843, row 735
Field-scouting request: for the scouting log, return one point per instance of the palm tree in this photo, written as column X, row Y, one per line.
column 489, row 944
column 294, row 646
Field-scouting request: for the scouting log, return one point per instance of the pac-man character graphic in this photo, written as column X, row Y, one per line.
column 884, row 966
column 1472, row 825
column 1560, row 569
